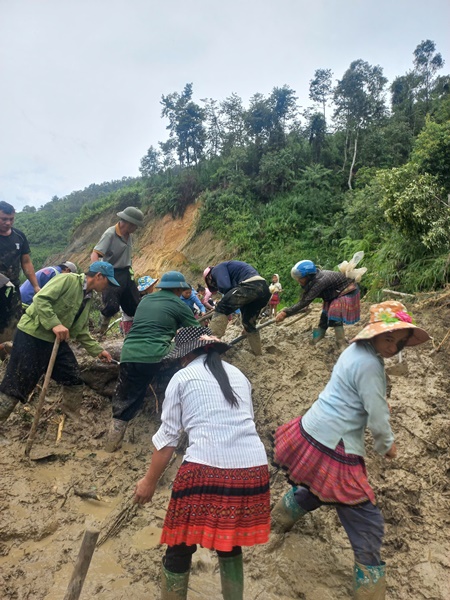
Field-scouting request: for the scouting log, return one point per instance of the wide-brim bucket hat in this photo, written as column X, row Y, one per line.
column 391, row 316
column 172, row 280
column 131, row 214
column 189, row 339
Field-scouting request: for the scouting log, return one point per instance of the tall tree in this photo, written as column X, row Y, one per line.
column 321, row 87
column 232, row 115
column 427, row 62
column 186, row 125
column 359, row 99
column 150, row 163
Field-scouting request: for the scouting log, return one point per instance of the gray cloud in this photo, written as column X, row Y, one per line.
column 82, row 81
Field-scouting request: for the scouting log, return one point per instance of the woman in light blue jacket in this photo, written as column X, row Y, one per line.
column 323, row 451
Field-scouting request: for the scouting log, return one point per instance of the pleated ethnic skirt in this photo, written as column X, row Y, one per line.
column 218, row 508
column 334, row 476
column 345, row 308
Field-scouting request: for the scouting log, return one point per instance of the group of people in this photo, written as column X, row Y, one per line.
column 220, row 497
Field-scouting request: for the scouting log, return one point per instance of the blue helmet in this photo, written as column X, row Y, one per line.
column 172, row 280
column 303, row 268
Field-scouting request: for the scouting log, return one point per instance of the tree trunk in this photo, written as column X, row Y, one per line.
column 345, row 149
column 350, row 175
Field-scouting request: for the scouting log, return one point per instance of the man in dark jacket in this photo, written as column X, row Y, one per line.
column 242, row 287
column 14, row 255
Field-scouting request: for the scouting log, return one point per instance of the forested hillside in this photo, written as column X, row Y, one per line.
column 365, row 167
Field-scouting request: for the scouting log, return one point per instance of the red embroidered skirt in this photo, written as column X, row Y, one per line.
column 218, row 508
column 332, row 475
column 345, row 309
column 274, row 299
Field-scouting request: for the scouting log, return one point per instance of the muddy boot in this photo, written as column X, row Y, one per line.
column 104, row 324
column 174, row 585
column 218, row 324
column 232, row 577
column 341, row 342
column 72, row 396
column 286, row 513
column 254, row 340
column 115, row 435
column 317, row 335
column 5, row 350
column 369, row 583
column 7, row 405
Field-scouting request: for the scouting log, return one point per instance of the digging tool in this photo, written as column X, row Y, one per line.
column 40, row 404
column 205, row 316
column 266, row 324
column 82, row 565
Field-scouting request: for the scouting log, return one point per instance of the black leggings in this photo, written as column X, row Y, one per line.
column 178, row 558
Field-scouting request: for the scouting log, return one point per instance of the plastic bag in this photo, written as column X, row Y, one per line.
column 349, row 268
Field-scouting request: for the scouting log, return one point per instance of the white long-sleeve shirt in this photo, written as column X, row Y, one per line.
column 220, row 435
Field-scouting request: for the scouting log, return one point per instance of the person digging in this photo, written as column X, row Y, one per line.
column 242, row 288
column 60, row 309
column 157, row 319
column 340, row 295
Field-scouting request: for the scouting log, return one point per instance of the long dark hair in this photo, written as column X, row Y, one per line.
column 214, row 363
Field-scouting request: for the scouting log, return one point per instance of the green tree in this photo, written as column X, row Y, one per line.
column 427, row 62
column 359, row 99
column 150, row 163
column 321, row 87
column 432, row 151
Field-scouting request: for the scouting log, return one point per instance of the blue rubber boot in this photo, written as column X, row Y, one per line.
column 369, row 582
column 286, row 513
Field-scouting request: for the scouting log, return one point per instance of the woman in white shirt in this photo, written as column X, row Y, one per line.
column 220, row 496
column 323, row 451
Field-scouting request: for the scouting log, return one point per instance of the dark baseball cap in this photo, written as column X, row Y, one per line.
column 106, row 269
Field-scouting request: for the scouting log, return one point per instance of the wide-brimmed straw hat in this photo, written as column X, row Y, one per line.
column 191, row 338
column 391, row 316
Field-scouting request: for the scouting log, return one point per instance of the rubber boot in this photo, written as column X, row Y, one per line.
column 115, row 435
column 369, row 582
column 174, row 586
column 232, row 577
column 72, row 396
column 317, row 335
column 218, row 324
column 286, row 513
column 104, row 323
column 254, row 340
column 5, row 350
column 341, row 342
column 7, row 405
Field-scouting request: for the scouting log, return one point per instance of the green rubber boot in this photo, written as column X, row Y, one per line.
column 286, row 513
column 218, row 324
column 341, row 342
column 232, row 577
column 317, row 335
column 174, row 586
column 72, row 396
column 369, row 583
column 7, row 405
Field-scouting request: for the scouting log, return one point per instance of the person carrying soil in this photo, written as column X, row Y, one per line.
column 60, row 309
column 155, row 324
column 220, row 496
column 323, row 451
column 14, row 255
column 242, row 288
column 275, row 289
column 115, row 246
column 340, row 295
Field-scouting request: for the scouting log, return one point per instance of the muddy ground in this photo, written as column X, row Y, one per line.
column 42, row 520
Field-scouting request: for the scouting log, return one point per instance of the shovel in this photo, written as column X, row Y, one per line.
column 42, row 395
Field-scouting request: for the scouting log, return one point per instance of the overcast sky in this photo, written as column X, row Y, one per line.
column 82, row 80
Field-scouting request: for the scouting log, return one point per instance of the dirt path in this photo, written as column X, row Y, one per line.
column 42, row 520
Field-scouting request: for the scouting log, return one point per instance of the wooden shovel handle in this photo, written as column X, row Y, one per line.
column 40, row 403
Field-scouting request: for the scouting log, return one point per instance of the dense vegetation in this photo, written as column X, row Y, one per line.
column 364, row 168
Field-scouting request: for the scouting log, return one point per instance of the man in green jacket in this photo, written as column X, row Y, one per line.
column 60, row 310
column 157, row 319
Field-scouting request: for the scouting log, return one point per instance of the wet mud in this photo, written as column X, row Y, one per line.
column 42, row 519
